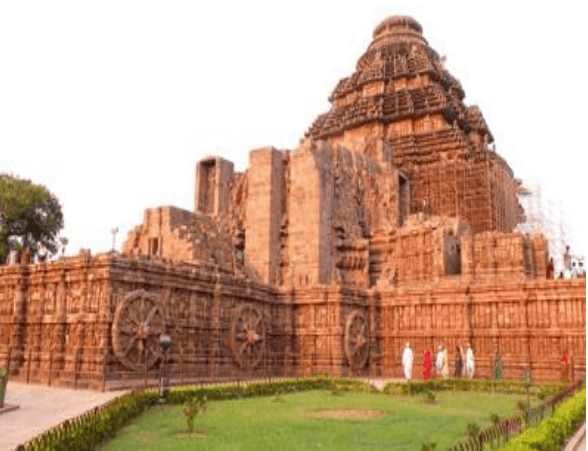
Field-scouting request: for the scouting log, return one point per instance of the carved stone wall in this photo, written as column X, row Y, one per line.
column 533, row 324
column 94, row 322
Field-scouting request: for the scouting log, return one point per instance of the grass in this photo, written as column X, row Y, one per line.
column 303, row 421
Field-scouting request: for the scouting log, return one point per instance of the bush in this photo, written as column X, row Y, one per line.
column 494, row 418
column 192, row 407
column 553, row 432
column 473, row 430
column 84, row 432
column 3, row 378
column 430, row 397
column 430, row 446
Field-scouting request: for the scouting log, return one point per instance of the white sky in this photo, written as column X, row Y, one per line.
column 110, row 104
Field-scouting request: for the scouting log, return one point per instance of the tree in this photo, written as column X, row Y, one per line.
column 31, row 214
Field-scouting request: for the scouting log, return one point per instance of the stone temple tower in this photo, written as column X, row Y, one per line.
column 383, row 187
column 401, row 105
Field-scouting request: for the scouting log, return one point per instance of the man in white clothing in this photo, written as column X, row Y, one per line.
column 407, row 359
column 470, row 362
column 439, row 361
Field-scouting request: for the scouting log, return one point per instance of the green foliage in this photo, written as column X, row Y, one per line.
column 83, row 433
column 192, row 407
column 473, row 430
column 3, row 378
column 279, row 394
column 498, row 369
column 430, row 397
column 33, row 215
column 479, row 385
column 494, row 418
column 428, row 446
column 553, row 432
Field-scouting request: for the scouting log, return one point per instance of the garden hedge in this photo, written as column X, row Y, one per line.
column 480, row 385
column 3, row 377
column 553, row 432
column 85, row 432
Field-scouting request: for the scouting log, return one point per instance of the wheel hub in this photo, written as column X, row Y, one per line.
column 143, row 331
column 251, row 336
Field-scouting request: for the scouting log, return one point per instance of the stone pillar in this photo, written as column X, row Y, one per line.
column 214, row 351
column 213, row 191
column 310, row 203
column 263, row 215
column 18, row 319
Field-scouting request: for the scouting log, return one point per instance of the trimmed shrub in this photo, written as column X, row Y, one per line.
column 553, row 432
column 3, row 378
column 473, row 430
column 84, row 432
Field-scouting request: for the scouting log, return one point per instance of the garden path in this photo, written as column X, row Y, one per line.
column 41, row 408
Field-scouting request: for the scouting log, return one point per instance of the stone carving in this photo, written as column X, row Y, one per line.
column 390, row 194
column 356, row 340
column 247, row 336
column 138, row 322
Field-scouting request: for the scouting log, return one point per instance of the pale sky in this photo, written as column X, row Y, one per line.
column 110, row 104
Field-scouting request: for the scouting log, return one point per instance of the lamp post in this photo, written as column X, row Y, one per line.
column 114, row 232
column 165, row 341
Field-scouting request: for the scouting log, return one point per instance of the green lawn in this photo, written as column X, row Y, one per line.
column 299, row 422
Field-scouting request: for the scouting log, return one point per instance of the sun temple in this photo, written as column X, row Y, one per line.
column 394, row 220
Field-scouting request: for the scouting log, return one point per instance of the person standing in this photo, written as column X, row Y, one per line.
column 439, row 361
column 459, row 363
column 470, row 364
column 427, row 365
column 564, row 368
column 445, row 365
column 407, row 359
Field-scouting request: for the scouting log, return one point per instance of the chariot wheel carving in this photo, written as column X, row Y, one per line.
column 247, row 336
column 357, row 340
column 138, row 322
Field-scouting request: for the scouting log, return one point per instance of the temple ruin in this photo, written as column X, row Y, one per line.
column 393, row 221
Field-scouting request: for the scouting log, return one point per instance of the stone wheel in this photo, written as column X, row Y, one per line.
column 138, row 323
column 247, row 337
column 357, row 340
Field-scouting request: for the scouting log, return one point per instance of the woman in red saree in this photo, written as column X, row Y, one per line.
column 427, row 364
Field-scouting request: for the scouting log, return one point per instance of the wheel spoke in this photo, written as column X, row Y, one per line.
column 132, row 319
column 125, row 329
column 130, row 345
column 142, row 307
column 363, row 325
column 150, row 315
column 242, row 348
column 257, row 322
column 152, row 350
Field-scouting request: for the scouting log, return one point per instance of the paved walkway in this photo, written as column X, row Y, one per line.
column 42, row 408
column 578, row 441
